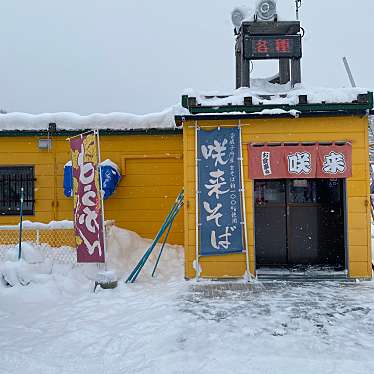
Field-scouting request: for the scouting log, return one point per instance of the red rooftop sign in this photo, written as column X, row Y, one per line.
column 300, row 161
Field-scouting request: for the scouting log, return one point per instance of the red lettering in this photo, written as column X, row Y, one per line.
column 262, row 46
column 282, row 45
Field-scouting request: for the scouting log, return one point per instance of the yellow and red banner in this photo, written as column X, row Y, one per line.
column 88, row 210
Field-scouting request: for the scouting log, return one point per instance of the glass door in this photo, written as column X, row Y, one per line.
column 270, row 222
column 299, row 222
column 302, row 222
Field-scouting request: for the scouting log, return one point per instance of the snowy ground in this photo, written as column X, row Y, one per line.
column 167, row 325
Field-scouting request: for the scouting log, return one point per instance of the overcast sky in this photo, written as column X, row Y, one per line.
column 138, row 56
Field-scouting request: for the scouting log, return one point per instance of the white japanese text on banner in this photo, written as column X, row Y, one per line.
column 220, row 205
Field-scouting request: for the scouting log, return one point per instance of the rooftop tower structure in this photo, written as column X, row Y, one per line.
column 261, row 36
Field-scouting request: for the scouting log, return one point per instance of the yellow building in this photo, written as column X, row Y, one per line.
column 285, row 218
column 157, row 160
column 150, row 162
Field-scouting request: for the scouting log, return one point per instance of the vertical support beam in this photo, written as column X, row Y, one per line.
column 245, row 76
column 244, row 210
column 245, row 66
column 197, row 222
column 284, row 70
column 346, row 239
column 55, row 203
column 295, row 71
column 238, row 64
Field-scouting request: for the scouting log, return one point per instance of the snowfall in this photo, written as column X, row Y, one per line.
column 52, row 321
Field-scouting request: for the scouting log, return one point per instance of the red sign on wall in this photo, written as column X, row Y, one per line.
column 300, row 161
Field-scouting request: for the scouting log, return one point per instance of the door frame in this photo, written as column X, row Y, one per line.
column 345, row 226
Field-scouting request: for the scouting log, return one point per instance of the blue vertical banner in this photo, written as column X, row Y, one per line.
column 219, row 185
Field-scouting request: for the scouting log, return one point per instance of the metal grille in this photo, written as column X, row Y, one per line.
column 12, row 179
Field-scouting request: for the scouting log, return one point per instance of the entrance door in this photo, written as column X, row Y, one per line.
column 302, row 222
column 271, row 222
column 299, row 222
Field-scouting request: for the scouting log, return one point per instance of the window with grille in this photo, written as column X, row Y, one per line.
column 12, row 179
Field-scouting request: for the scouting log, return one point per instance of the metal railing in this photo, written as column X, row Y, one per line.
column 55, row 243
column 55, row 238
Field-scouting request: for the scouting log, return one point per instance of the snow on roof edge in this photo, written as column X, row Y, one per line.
column 72, row 121
column 277, row 94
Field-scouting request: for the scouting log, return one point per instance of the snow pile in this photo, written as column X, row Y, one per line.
column 32, row 266
column 264, row 92
column 72, row 121
column 110, row 163
column 29, row 254
column 272, row 112
column 126, row 248
column 108, row 276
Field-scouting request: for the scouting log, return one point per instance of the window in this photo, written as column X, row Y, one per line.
column 12, row 179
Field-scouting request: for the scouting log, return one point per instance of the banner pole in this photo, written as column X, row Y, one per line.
column 197, row 265
column 72, row 192
column 249, row 275
column 20, row 225
column 81, row 134
column 101, row 197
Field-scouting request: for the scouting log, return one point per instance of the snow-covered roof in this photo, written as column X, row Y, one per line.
column 264, row 93
column 71, row 121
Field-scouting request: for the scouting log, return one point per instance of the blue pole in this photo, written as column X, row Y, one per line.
column 144, row 259
column 179, row 206
column 168, row 222
column 20, row 226
column 134, row 274
column 162, row 249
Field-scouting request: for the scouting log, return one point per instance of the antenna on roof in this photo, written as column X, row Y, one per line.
column 349, row 72
column 298, row 6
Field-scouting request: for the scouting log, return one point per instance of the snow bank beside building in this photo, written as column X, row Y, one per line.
column 41, row 263
column 126, row 248
column 31, row 268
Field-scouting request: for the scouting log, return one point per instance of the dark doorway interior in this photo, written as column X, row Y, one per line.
column 300, row 223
